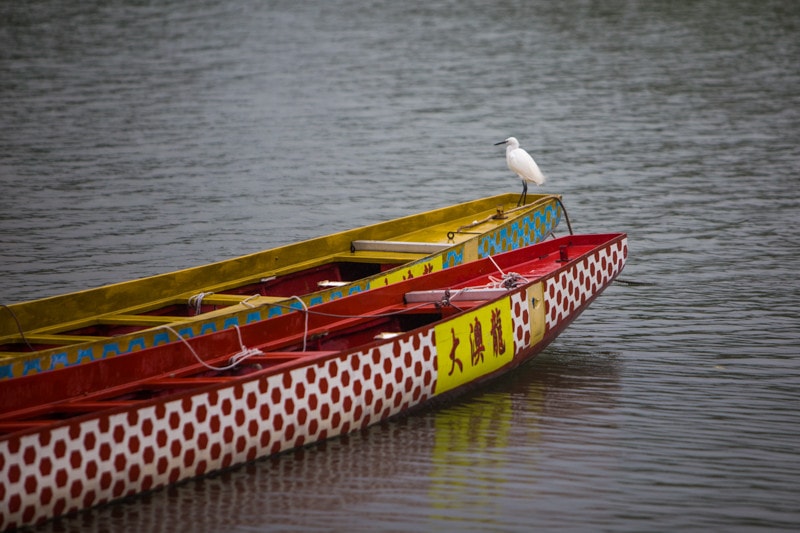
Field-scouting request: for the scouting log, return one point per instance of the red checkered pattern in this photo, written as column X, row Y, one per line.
column 91, row 461
column 520, row 321
column 571, row 288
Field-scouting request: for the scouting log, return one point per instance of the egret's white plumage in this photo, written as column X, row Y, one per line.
column 522, row 164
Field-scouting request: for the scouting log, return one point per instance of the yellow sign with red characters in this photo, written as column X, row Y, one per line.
column 473, row 345
column 456, row 255
column 413, row 270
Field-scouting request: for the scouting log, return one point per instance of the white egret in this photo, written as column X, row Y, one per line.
column 522, row 164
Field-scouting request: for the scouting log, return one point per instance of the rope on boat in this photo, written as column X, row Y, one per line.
column 305, row 325
column 196, row 301
column 19, row 327
column 246, row 301
column 496, row 265
column 447, row 299
column 243, row 354
column 509, row 281
column 566, row 215
column 472, row 224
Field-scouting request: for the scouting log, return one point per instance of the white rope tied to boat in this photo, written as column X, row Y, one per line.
column 305, row 326
column 447, row 299
column 243, row 353
column 496, row 265
column 509, row 281
column 196, row 301
column 246, row 301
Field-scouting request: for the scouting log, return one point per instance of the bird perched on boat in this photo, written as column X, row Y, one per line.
column 522, row 164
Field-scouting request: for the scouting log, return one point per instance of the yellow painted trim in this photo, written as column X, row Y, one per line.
column 536, row 311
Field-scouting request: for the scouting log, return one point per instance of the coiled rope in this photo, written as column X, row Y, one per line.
column 509, row 281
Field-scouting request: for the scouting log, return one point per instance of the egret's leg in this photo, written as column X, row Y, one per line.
column 524, row 195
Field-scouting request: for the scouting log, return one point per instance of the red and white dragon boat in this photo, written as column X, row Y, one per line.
column 89, row 434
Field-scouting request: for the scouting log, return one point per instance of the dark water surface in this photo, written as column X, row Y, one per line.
column 142, row 137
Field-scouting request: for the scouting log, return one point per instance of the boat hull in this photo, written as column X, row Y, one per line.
column 118, row 319
column 124, row 450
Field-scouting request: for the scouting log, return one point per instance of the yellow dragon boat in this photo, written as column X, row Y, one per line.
column 70, row 329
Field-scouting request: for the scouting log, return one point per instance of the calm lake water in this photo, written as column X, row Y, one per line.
column 141, row 137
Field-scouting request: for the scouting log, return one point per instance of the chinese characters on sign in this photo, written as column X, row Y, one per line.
column 465, row 350
column 455, row 360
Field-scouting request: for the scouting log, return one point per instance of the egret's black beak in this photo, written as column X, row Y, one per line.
column 501, row 142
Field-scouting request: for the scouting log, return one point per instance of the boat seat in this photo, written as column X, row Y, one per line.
column 142, row 320
column 61, row 340
column 328, row 284
column 235, row 299
column 454, row 295
column 398, row 246
column 222, row 299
